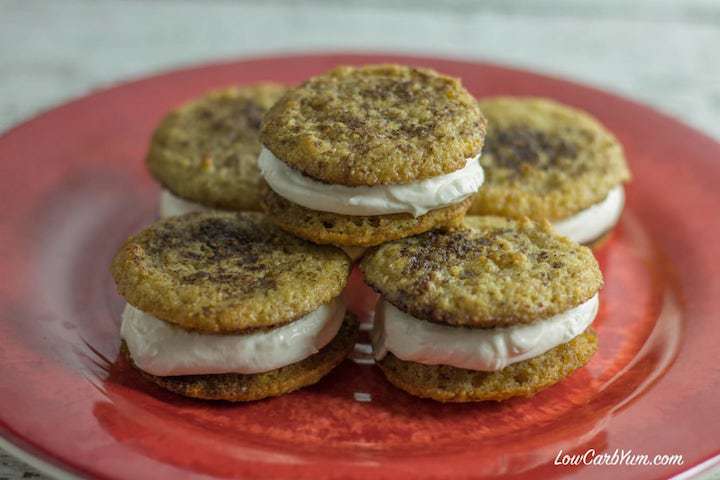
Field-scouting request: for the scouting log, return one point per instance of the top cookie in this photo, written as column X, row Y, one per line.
column 375, row 125
column 498, row 273
column 545, row 160
column 222, row 272
column 206, row 151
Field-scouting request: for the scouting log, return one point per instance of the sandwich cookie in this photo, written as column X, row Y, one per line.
column 486, row 313
column 226, row 306
column 204, row 154
column 544, row 160
column 360, row 156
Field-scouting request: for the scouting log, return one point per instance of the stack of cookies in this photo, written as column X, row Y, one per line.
column 227, row 306
column 376, row 164
column 498, row 310
column 361, row 156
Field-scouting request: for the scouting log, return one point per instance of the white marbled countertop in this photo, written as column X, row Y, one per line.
column 664, row 52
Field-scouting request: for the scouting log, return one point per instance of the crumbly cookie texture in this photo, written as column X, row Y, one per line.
column 206, row 151
column 501, row 272
column 543, row 159
column 243, row 388
column 374, row 125
column 523, row 379
column 222, row 272
column 355, row 231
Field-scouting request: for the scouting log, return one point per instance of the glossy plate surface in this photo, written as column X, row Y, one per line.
column 73, row 186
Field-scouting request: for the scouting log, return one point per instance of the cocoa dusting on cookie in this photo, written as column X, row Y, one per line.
column 226, row 272
column 520, row 145
column 230, row 254
column 545, row 160
column 375, row 125
column 500, row 272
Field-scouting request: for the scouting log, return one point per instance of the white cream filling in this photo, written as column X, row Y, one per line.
column 162, row 349
column 414, row 340
column 591, row 223
column 416, row 198
column 172, row 205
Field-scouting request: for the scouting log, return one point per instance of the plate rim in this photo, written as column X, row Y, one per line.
column 38, row 461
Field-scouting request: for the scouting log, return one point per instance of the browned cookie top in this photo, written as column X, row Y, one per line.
column 545, row 160
column 226, row 272
column 500, row 272
column 206, row 151
column 378, row 124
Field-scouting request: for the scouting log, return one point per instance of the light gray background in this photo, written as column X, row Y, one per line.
column 665, row 52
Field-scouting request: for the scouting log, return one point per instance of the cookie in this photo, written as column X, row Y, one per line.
column 204, row 153
column 454, row 277
column 227, row 306
column 375, row 125
column 488, row 312
column 238, row 387
column 545, row 160
column 356, row 231
column 524, row 379
column 223, row 272
column 362, row 155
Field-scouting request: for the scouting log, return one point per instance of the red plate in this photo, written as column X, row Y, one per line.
column 73, row 186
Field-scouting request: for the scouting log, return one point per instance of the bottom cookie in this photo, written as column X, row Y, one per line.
column 523, row 379
column 356, row 231
column 247, row 387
